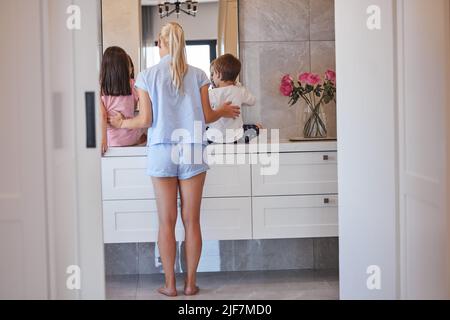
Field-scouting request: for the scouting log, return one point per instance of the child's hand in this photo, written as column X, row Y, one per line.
column 104, row 147
column 230, row 111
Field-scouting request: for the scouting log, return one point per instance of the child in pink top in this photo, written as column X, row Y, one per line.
column 118, row 96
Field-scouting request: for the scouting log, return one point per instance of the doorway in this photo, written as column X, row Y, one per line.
column 393, row 208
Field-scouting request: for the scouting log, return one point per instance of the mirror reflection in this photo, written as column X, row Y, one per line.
column 211, row 30
column 131, row 36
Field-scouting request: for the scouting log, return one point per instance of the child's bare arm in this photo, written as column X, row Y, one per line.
column 104, row 117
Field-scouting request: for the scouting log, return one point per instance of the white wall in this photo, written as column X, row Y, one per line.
column 23, row 243
column 367, row 149
column 393, row 100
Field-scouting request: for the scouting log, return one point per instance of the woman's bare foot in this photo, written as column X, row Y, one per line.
column 168, row 292
column 191, row 291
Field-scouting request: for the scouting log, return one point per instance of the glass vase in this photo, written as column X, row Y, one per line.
column 315, row 123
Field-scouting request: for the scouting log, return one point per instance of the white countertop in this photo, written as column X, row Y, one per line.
column 285, row 146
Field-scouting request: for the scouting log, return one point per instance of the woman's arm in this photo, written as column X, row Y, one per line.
column 143, row 121
column 225, row 111
column 104, row 117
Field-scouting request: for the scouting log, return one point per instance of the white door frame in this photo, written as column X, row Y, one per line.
column 448, row 156
column 75, row 227
column 367, row 148
column 87, row 60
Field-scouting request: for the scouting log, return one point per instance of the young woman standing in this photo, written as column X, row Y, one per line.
column 174, row 103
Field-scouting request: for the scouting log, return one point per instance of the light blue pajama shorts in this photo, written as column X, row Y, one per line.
column 183, row 161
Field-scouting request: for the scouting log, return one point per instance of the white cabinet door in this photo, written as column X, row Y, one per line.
column 295, row 217
column 424, row 163
column 227, row 219
column 228, row 181
column 126, row 179
column 133, row 221
column 299, row 174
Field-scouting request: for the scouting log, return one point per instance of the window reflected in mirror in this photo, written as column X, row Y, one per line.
column 212, row 32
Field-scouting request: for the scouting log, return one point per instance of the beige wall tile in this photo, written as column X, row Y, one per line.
column 265, row 63
column 322, row 19
column 122, row 26
column 275, row 40
column 274, row 20
column 323, row 57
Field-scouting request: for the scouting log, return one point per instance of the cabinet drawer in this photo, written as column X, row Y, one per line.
column 228, row 181
column 136, row 221
column 299, row 174
column 295, row 217
column 126, row 179
column 227, row 219
column 133, row 221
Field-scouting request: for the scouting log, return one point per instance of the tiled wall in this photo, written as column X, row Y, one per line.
column 294, row 254
column 279, row 37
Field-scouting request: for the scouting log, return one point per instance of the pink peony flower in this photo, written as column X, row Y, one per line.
column 330, row 75
column 286, row 89
column 287, row 79
column 287, row 85
column 314, row 79
column 309, row 78
column 304, row 78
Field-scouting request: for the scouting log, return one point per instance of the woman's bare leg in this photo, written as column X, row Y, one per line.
column 166, row 190
column 191, row 198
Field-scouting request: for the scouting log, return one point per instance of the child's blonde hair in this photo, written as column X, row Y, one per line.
column 173, row 36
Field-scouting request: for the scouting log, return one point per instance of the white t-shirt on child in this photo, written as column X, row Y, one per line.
column 231, row 129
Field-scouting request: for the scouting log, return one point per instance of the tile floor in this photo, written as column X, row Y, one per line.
column 267, row 285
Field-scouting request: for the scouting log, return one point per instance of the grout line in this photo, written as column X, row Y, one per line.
column 138, row 273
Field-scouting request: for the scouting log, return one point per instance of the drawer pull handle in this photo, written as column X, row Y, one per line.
column 326, row 201
column 326, row 158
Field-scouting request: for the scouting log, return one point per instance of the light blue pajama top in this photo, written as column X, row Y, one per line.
column 177, row 114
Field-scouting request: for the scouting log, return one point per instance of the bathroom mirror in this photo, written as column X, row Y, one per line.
column 211, row 28
column 134, row 25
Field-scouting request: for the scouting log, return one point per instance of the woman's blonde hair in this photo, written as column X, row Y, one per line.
column 172, row 35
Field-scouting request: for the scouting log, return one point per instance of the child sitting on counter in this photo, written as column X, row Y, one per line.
column 225, row 71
